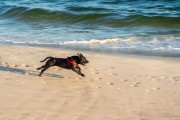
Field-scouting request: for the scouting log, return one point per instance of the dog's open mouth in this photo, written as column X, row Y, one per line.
column 85, row 62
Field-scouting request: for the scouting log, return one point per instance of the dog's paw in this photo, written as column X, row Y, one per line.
column 82, row 75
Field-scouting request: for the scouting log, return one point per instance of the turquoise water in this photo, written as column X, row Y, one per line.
column 140, row 27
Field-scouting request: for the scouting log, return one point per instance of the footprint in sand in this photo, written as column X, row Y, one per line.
column 135, row 84
column 13, row 65
column 111, row 73
column 150, row 90
column 125, row 80
column 3, row 63
column 98, row 87
column 161, row 78
column 24, row 65
column 97, row 78
column 153, row 78
column 174, row 93
column 95, row 73
column 95, row 86
column 7, row 65
column 155, row 88
column 176, row 78
column 110, row 83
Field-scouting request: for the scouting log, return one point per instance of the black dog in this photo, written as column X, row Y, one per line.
column 67, row 63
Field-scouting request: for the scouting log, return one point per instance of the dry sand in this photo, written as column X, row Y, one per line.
column 115, row 87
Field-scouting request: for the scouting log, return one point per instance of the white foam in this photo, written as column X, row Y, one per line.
column 105, row 41
column 163, row 43
column 163, row 39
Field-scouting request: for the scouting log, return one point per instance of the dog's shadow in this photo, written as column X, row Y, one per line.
column 28, row 72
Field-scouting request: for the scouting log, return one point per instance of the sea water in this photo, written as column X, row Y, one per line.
column 139, row 27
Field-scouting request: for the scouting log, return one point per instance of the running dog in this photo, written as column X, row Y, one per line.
column 67, row 63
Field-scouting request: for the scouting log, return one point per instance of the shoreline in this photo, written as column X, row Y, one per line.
column 98, row 52
column 115, row 87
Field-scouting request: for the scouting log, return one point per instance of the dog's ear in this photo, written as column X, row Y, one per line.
column 79, row 54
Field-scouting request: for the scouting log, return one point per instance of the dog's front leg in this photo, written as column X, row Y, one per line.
column 78, row 70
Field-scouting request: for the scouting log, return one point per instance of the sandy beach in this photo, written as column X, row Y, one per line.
column 116, row 87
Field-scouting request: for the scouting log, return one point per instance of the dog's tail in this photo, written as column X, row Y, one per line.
column 46, row 59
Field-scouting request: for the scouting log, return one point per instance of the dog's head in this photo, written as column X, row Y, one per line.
column 82, row 59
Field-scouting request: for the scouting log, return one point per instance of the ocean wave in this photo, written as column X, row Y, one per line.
column 168, row 47
column 86, row 9
column 106, row 41
column 109, row 19
column 130, row 40
column 26, row 13
column 142, row 20
column 170, row 40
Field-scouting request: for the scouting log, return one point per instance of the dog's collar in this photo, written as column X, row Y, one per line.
column 71, row 62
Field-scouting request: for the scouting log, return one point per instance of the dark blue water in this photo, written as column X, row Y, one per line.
column 141, row 27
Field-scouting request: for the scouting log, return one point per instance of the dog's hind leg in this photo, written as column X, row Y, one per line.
column 48, row 64
column 45, row 68
column 40, row 67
